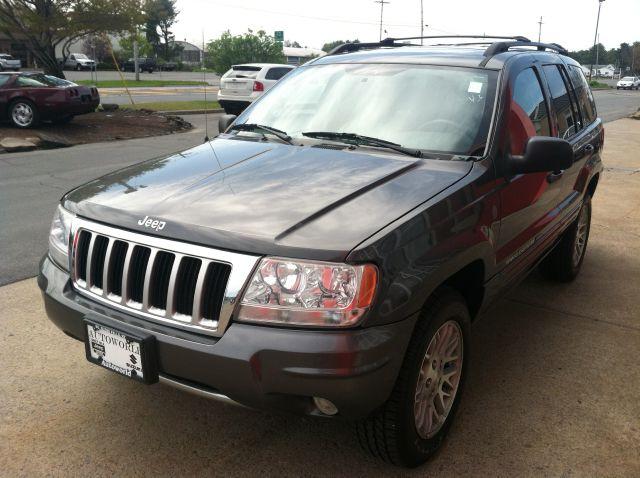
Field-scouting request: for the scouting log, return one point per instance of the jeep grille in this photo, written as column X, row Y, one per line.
column 167, row 281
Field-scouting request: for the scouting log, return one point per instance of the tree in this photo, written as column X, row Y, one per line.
column 292, row 44
column 161, row 16
column 98, row 46
column 145, row 48
column 251, row 47
column 327, row 47
column 47, row 24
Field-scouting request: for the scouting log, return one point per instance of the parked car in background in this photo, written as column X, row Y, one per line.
column 243, row 84
column 7, row 62
column 628, row 83
column 144, row 64
column 168, row 66
column 28, row 98
column 79, row 61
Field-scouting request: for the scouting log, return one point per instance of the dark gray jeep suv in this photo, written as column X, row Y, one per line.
column 328, row 252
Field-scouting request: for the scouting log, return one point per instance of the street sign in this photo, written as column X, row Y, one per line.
column 278, row 35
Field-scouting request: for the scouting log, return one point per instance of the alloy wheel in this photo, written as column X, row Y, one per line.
column 22, row 114
column 439, row 379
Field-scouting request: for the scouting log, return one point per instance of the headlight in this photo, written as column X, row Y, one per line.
column 315, row 294
column 59, row 237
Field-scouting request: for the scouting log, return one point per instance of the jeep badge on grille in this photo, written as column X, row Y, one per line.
column 152, row 223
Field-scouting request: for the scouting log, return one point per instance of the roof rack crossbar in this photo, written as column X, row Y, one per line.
column 394, row 42
column 501, row 47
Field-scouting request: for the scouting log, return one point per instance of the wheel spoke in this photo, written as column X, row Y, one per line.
column 438, row 379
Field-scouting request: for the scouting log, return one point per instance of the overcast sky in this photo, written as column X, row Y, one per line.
column 568, row 22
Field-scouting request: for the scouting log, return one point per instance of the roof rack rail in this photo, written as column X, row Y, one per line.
column 501, row 47
column 394, row 42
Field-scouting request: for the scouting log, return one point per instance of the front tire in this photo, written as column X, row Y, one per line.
column 23, row 114
column 411, row 426
column 565, row 260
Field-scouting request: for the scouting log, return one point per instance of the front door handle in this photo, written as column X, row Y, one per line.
column 554, row 176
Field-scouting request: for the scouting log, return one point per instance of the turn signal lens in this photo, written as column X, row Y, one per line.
column 314, row 294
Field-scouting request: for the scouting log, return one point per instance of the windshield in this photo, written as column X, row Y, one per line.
column 438, row 109
column 627, row 78
column 6, row 57
column 80, row 56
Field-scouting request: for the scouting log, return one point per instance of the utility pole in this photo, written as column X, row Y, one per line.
column 595, row 38
column 382, row 4
column 421, row 22
column 135, row 55
column 539, row 29
column 597, row 53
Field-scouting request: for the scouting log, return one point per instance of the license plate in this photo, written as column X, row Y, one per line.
column 123, row 353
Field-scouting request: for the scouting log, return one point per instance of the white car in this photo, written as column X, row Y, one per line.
column 79, row 61
column 243, row 84
column 7, row 62
column 629, row 82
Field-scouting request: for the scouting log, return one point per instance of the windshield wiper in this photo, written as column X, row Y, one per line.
column 259, row 127
column 354, row 138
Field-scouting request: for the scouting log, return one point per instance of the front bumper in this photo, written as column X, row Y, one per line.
column 256, row 366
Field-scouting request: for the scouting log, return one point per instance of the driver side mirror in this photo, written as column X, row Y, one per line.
column 542, row 154
column 225, row 121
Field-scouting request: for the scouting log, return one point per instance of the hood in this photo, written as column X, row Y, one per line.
column 266, row 198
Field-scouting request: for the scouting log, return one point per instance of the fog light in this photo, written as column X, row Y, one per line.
column 325, row 406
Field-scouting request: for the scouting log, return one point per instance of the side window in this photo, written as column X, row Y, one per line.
column 4, row 79
column 276, row 73
column 26, row 81
column 583, row 92
column 567, row 121
column 528, row 115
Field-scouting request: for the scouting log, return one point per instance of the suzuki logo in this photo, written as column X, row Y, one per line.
column 152, row 223
column 133, row 359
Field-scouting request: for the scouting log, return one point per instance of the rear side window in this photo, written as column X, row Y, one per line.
column 528, row 115
column 583, row 93
column 565, row 115
column 276, row 73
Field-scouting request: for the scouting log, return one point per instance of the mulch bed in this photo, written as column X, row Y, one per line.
column 100, row 126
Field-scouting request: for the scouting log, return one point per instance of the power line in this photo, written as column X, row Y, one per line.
column 325, row 19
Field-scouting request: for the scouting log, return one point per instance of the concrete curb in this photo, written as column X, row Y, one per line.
column 191, row 112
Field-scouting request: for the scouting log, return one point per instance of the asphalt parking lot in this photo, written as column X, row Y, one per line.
column 554, row 390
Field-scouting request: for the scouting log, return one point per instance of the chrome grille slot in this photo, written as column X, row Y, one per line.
column 116, row 267
column 82, row 250
column 160, row 276
column 186, row 286
column 136, row 274
column 97, row 261
column 216, row 275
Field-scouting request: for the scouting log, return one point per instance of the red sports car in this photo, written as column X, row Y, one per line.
column 28, row 98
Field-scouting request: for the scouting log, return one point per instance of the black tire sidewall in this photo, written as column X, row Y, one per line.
column 415, row 448
column 585, row 204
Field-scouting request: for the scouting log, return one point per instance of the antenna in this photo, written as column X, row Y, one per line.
column 204, row 80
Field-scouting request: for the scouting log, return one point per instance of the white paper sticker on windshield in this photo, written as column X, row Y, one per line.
column 475, row 87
